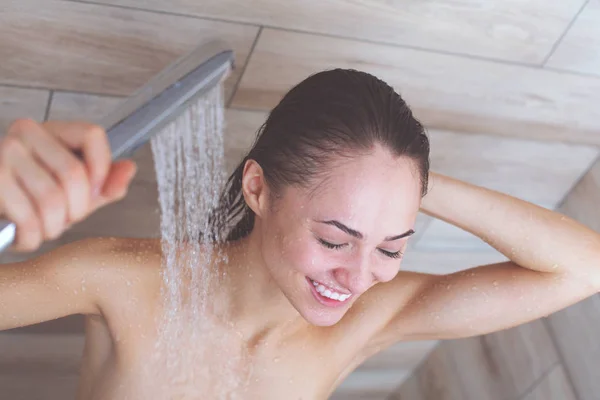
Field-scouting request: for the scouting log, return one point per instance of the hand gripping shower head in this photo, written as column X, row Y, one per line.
column 156, row 104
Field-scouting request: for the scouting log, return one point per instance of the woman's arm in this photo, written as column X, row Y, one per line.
column 531, row 236
column 555, row 262
column 94, row 276
column 51, row 286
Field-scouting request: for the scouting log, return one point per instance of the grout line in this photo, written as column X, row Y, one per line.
column 47, row 112
column 577, row 181
column 248, row 109
column 17, row 86
column 472, row 57
column 530, row 65
column 564, row 34
column 572, row 72
column 243, row 69
column 561, row 357
column 51, row 89
column 172, row 13
column 539, row 380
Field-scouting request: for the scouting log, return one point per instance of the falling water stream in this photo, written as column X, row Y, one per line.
column 195, row 357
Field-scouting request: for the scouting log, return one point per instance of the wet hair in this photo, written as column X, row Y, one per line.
column 330, row 114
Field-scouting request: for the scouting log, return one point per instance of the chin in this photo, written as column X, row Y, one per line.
column 314, row 318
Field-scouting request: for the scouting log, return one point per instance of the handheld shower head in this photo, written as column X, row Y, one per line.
column 157, row 103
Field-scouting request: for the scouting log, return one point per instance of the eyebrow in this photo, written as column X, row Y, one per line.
column 358, row 235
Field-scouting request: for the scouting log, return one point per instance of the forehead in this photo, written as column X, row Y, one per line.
column 366, row 191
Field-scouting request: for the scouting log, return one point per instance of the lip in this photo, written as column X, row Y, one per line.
column 327, row 302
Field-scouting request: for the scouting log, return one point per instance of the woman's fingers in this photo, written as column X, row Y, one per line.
column 92, row 141
column 45, row 186
column 66, row 168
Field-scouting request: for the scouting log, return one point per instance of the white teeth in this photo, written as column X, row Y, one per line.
column 325, row 292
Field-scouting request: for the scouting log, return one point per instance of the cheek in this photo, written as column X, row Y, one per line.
column 387, row 272
column 307, row 258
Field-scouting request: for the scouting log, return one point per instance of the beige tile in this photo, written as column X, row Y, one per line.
column 555, row 386
column 579, row 51
column 89, row 48
column 38, row 354
column 537, row 171
column 440, row 236
column 476, row 27
column 503, row 365
column 39, row 367
column 582, row 202
column 446, row 262
column 438, row 377
column 382, row 373
column 370, row 384
column 403, row 355
column 409, row 390
column 21, row 103
column 81, row 106
column 241, row 128
column 576, row 330
column 38, row 387
column 446, row 92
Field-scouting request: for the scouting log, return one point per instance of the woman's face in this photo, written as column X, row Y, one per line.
column 327, row 245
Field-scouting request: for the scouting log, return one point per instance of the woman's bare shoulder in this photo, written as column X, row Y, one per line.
column 121, row 268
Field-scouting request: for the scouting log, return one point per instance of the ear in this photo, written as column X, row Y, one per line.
column 254, row 188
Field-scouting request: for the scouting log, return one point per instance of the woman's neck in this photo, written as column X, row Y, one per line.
column 256, row 306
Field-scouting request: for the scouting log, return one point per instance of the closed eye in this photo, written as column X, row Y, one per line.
column 390, row 254
column 331, row 245
column 396, row 254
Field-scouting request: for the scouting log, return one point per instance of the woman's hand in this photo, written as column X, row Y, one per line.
column 45, row 187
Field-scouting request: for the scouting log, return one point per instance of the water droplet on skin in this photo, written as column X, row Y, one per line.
column 496, row 283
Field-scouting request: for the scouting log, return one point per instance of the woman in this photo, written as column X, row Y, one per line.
column 328, row 197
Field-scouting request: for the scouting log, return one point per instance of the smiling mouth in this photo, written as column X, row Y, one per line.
column 326, row 295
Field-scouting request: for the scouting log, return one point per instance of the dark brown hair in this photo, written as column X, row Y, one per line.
column 332, row 113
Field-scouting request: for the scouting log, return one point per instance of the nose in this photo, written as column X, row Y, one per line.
column 355, row 276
